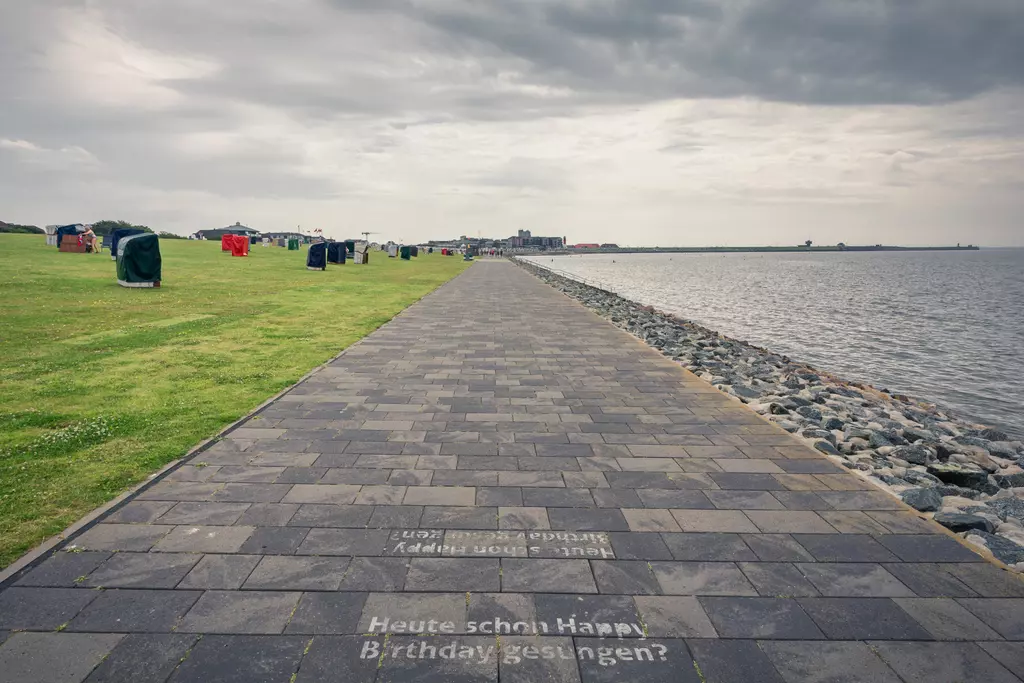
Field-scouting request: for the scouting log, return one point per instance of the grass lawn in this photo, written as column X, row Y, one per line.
column 100, row 385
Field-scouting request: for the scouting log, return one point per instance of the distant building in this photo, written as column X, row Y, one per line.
column 609, row 246
column 236, row 229
column 586, row 245
column 525, row 240
column 286, row 236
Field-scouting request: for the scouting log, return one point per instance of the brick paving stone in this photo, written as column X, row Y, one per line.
column 330, row 613
column 777, row 579
column 240, row 612
column 744, row 500
column 929, row 580
column 268, row 514
column 342, row 516
column 497, row 496
column 274, row 540
column 337, row 658
column 142, row 570
column 380, row 574
column 732, row 661
column 668, row 498
column 459, row 517
column 134, row 611
column 789, row 522
column 242, row 659
column 139, row 512
column 64, row 569
column 930, row 548
column 863, row 619
column 708, row 547
column 204, row 539
column 224, row 572
column 859, row 579
column 1005, row 615
column 335, row 494
column 143, row 657
column 625, row 577
column 134, row 537
column 427, row 574
column 701, row 578
column 774, row 618
column 941, row 662
column 368, row 542
column 297, row 573
column 546, row 576
column 726, row 521
column 987, row 580
column 53, row 657
column 523, row 661
column 587, row 519
column 640, row 546
column 440, row 495
column 523, row 518
column 425, row 665
column 946, row 619
column 675, row 617
column 827, row 662
column 1010, row 655
column 41, row 609
column 395, row 516
column 844, row 548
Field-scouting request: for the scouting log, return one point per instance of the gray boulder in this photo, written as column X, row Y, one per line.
column 959, row 491
column 916, row 454
column 925, row 500
column 959, row 522
column 830, row 423
column 1009, row 481
column 825, row 447
column 1007, row 507
column 959, row 475
column 1003, row 548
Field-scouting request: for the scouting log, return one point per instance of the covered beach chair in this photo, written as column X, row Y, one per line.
column 138, row 261
column 350, row 246
column 403, row 253
column 226, row 241
column 293, row 245
column 117, row 235
column 316, row 257
column 239, row 245
column 336, row 252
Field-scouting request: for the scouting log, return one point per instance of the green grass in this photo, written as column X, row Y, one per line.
column 101, row 385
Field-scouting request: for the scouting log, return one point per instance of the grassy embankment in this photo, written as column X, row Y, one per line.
column 100, row 385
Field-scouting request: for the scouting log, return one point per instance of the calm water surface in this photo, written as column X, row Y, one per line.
column 946, row 327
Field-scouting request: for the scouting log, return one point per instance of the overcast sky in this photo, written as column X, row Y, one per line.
column 646, row 122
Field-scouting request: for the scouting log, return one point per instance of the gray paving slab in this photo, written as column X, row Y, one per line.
column 477, row 470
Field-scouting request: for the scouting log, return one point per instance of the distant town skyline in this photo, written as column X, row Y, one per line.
column 636, row 122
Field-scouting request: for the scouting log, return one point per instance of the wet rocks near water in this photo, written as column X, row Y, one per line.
column 925, row 500
column 910, row 446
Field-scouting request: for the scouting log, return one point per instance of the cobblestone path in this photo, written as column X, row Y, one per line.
column 499, row 485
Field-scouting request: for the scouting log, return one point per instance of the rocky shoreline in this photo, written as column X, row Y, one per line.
column 967, row 476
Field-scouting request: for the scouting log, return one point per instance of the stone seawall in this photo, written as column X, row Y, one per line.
column 969, row 475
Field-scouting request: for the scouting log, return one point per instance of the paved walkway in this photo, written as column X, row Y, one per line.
column 499, row 484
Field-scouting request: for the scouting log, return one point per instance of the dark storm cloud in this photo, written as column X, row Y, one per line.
column 812, row 51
